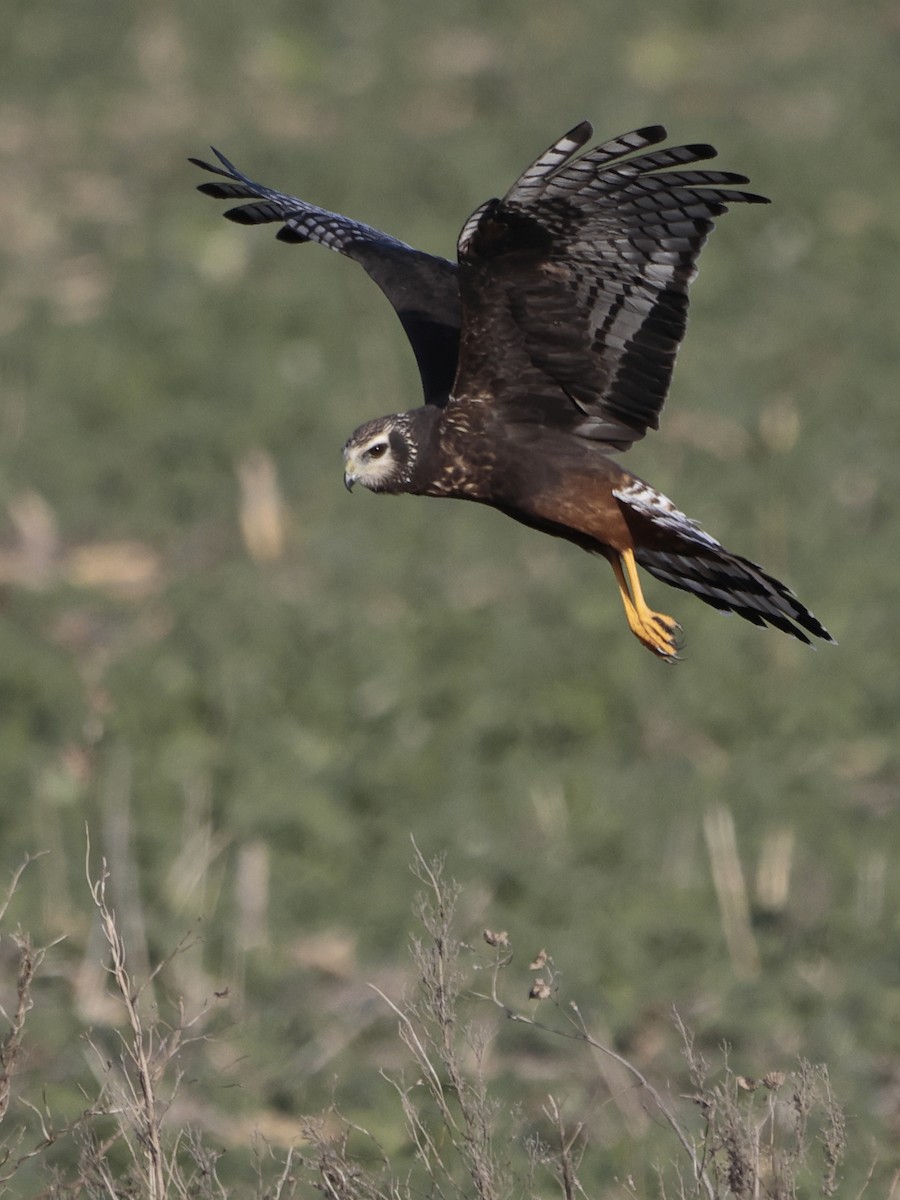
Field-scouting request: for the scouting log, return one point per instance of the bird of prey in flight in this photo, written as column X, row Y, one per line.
column 545, row 351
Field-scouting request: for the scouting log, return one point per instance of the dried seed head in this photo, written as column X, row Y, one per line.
column 540, row 990
column 496, row 939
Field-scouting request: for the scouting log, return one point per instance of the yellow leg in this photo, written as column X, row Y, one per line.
column 659, row 633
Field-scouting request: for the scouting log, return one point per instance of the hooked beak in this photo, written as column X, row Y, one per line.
column 351, row 472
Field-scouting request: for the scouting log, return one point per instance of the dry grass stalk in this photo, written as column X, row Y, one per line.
column 773, row 872
column 566, row 1165
column 430, row 1030
column 29, row 961
column 261, row 511
column 12, row 1048
column 756, row 1136
column 136, row 1091
column 132, row 1087
column 749, row 1139
column 578, row 1031
column 141, row 1104
column 731, row 891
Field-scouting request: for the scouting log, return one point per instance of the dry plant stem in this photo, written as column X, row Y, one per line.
column 892, row 1190
column 437, row 968
column 14, row 882
column 149, row 1129
column 11, row 1046
column 567, row 1173
column 425, row 1146
column 430, row 1032
column 834, row 1136
column 29, row 961
column 581, row 1035
column 286, row 1179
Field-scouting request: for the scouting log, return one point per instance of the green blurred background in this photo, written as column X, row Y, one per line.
column 254, row 688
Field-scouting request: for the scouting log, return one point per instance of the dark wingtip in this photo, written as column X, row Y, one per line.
column 581, row 133
column 652, row 134
column 230, row 172
column 701, row 150
column 240, row 216
column 727, row 198
column 212, row 189
column 224, row 161
column 290, row 235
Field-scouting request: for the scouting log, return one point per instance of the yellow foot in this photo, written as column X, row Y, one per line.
column 659, row 633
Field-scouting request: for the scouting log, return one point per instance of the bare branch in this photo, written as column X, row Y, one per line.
column 140, row 1047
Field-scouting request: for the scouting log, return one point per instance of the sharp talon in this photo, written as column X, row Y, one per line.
column 676, row 635
column 667, row 624
column 661, row 634
column 666, row 639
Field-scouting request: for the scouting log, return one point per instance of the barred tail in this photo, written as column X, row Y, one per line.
column 731, row 583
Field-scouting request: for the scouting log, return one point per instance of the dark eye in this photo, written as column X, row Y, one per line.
column 377, row 450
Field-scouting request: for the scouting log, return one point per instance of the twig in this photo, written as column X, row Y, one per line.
column 581, row 1034
column 14, row 882
column 30, row 960
column 149, row 1132
column 568, row 1176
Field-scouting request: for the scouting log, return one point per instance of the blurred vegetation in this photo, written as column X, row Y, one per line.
column 254, row 688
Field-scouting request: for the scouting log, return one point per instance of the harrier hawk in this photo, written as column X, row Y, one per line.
column 546, row 351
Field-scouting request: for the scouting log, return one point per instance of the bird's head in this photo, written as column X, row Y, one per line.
column 381, row 454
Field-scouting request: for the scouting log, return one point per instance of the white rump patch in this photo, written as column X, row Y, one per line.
column 661, row 511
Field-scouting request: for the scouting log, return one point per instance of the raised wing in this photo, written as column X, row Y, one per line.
column 423, row 289
column 575, row 284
